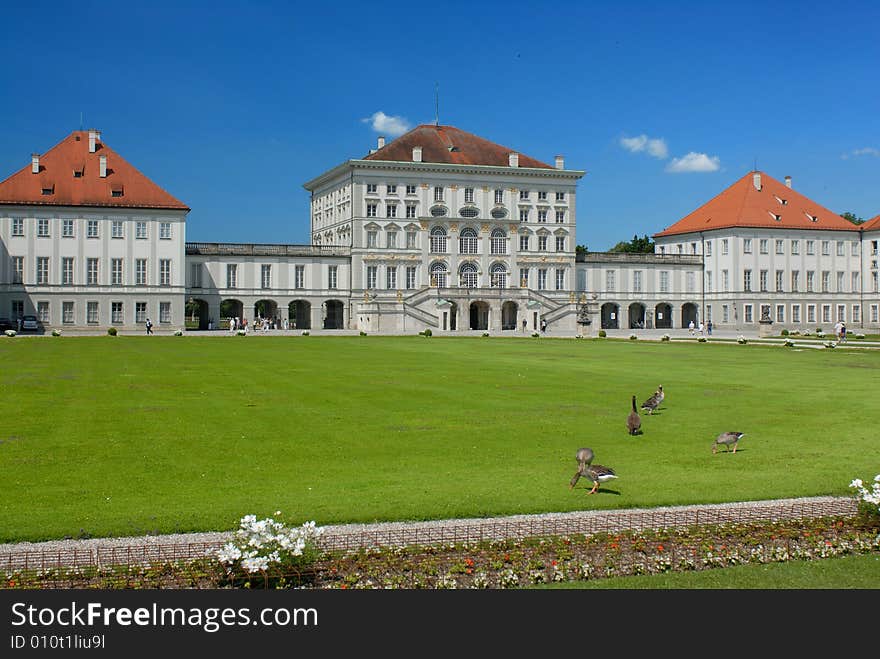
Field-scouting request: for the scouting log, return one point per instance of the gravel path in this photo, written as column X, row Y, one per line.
column 153, row 549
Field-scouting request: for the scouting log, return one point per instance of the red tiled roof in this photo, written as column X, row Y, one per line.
column 57, row 172
column 742, row 205
column 447, row 144
column 871, row 225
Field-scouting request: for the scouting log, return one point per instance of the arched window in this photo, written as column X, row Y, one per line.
column 467, row 241
column 468, row 275
column 498, row 274
column 438, row 240
column 498, row 242
column 438, row 274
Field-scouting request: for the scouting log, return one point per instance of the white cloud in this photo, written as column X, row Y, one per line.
column 387, row 124
column 867, row 151
column 694, row 162
column 654, row 146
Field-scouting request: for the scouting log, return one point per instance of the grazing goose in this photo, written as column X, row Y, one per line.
column 584, row 457
column 633, row 421
column 599, row 474
column 727, row 438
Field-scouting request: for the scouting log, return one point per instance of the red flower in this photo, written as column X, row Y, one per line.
column 660, row 548
column 12, row 584
column 343, row 586
column 469, row 561
column 553, row 563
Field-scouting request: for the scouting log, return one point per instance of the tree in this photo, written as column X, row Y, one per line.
column 580, row 249
column 637, row 245
column 850, row 217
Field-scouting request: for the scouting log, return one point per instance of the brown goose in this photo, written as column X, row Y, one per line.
column 633, row 421
column 727, row 438
column 596, row 473
column 584, row 457
column 653, row 401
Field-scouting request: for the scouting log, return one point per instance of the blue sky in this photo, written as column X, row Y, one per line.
column 231, row 107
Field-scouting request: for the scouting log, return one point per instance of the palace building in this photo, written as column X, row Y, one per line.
column 436, row 229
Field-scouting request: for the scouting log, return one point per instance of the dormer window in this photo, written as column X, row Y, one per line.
column 116, row 190
column 78, row 173
column 47, row 189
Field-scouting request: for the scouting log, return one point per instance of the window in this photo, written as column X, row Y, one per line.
column 747, row 245
column 67, row 228
column 499, row 196
column 438, row 193
column 391, row 239
column 841, row 248
column 390, row 277
column 708, row 312
column 795, row 281
column 560, row 196
column 371, row 238
column 438, row 275
column 542, row 215
column 523, row 214
column 17, row 226
column 17, row 269
column 165, row 231
column 411, row 276
column 725, row 280
column 116, row 271
column 542, row 243
column 855, row 282
column 708, row 248
column 67, row 270
column 332, row 275
column 762, row 280
column 856, row 313
column 826, row 281
column 693, row 248
column 164, row 312
column 708, row 281
column 266, row 275
column 811, row 277
column 410, row 211
column 637, row 281
column 542, row 279
column 371, row 188
column 299, row 276
column 91, row 271
column 195, row 273
column 524, row 195
column 524, row 242
column 140, row 230
column 664, row 281
column 43, row 311
column 560, row 217
column 43, row 228
column 67, row 313
column 826, row 313
column 560, row 243
column 92, row 229
column 524, row 277
column 840, row 282
column 875, row 313
column 42, row 269
column 724, row 246
column 498, row 242
column 747, row 309
column 371, row 210
column 795, row 247
column 372, row 271
column 116, row 229
column 231, row 275
column 679, row 248
column 811, row 247
column 690, row 282
column 468, row 276
column 780, row 274
column 747, row 280
column 164, row 272
column 390, row 210
column 780, row 246
column 725, row 313
column 542, row 195
column 855, row 248
column 841, row 313
column 826, row 248
column 811, row 313
column 140, row 312
column 410, row 189
column 560, row 279
column 116, row 313
column 467, row 241
column 468, row 195
column 763, row 245
column 411, row 240
column 92, row 313
column 610, row 280
column 780, row 313
column 438, row 240
column 795, row 313
column 391, row 188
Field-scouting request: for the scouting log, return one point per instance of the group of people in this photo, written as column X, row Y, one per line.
column 260, row 323
column 701, row 329
column 840, row 331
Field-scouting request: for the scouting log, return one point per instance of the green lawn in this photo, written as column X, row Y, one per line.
column 130, row 435
column 842, row 572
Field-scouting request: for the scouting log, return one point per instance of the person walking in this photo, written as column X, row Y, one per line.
column 691, row 327
column 543, row 326
column 524, row 325
column 149, row 326
column 709, row 328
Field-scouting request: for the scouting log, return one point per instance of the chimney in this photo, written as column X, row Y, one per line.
column 417, row 154
column 94, row 138
column 513, row 159
column 788, row 181
column 381, row 141
column 560, row 162
column 756, row 179
column 103, row 167
column 35, row 163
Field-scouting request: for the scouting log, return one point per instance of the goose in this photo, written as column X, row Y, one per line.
column 659, row 395
column 633, row 421
column 727, row 438
column 596, row 473
column 653, row 402
column 584, row 457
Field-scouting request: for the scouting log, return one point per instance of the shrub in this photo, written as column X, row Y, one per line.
column 111, row 331
column 602, row 334
column 428, row 331
column 784, row 332
column 819, row 330
column 363, row 333
column 56, row 332
column 178, row 332
column 536, row 335
column 241, row 332
column 665, row 337
column 820, row 334
column 860, row 336
column 788, row 343
column 306, row 333
column 741, row 340
column 633, row 337
column 702, row 339
column 10, row 333
column 485, row 333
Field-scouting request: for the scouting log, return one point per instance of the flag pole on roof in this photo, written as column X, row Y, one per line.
column 436, row 103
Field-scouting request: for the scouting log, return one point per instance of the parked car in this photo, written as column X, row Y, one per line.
column 7, row 324
column 30, row 324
